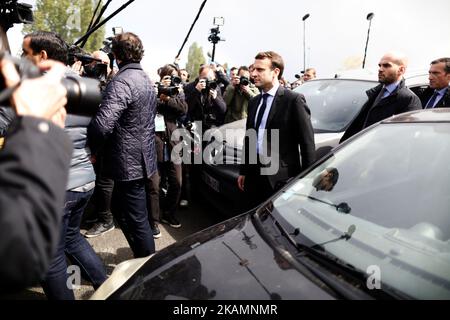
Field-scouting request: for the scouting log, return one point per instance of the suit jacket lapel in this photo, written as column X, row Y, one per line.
column 442, row 103
column 275, row 105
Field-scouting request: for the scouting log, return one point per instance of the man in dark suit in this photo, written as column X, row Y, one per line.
column 438, row 94
column 390, row 97
column 279, row 120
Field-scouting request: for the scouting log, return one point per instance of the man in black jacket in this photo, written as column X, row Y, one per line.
column 275, row 110
column 390, row 97
column 34, row 167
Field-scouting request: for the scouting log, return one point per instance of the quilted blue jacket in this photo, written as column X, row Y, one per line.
column 126, row 120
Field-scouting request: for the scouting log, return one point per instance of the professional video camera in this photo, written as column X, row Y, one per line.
column 78, row 54
column 171, row 90
column 83, row 94
column 12, row 12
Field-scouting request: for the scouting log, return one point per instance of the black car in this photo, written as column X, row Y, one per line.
column 334, row 103
column 369, row 220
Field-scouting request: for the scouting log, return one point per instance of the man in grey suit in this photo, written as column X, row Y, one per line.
column 280, row 111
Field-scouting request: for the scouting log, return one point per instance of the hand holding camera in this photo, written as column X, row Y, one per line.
column 213, row 94
column 82, row 94
column 43, row 97
column 168, row 87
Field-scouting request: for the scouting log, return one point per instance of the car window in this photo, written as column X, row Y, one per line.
column 335, row 102
column 392, row 185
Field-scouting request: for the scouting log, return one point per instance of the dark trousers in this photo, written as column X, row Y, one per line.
column 257, row 188
column 132, row 216
column 152, row 192
column 77, row 249
column 103, row 195
column 171, row 175
column 104, row 187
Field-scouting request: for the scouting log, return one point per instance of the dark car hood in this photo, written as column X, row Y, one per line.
column 227, row 261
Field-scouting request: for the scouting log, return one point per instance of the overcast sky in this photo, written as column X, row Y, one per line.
column 336, row 31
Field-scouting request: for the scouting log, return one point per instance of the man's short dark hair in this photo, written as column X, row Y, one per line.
column 275, row 58
column 446, row 61
column 50, row 42
column 167, row 70
column 245, row 68
column 127, row 47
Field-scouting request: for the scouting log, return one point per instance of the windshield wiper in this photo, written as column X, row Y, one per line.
column 318, row 253
column 344, row 289
column 341, row 207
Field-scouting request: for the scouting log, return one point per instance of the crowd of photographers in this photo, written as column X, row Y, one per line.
column 121, row 152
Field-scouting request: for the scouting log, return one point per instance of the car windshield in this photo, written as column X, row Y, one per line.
column 334, row 102
column 383, row 202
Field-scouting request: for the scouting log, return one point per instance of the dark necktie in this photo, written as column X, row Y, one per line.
column 430, row 103
column 262, row 109
column 380, row 96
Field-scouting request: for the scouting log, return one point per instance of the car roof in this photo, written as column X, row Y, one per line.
column 412, row 78
column 429, row 116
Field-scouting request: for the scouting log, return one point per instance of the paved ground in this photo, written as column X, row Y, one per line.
column 113, row 247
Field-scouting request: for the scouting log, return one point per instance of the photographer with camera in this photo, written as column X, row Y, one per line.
column 238, row 94
column 99, row 68
column 171, row 106
column 205, row 100
column 40, row 46
column 34, row 165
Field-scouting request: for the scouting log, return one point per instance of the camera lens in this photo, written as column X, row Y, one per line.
column 213, row 85
column 244, row 81
column 83, row 95
column 175, row 81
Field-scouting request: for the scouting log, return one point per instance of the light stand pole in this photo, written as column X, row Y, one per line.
column 306, row 16
column 369, row 17
column 214, row 37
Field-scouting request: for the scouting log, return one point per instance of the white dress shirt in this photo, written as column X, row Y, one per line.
column 262, row 126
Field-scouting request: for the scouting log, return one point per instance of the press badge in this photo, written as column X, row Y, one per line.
column 160, row 125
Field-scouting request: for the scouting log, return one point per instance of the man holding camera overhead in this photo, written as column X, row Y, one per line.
column 238, row 94
column 205, row 100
